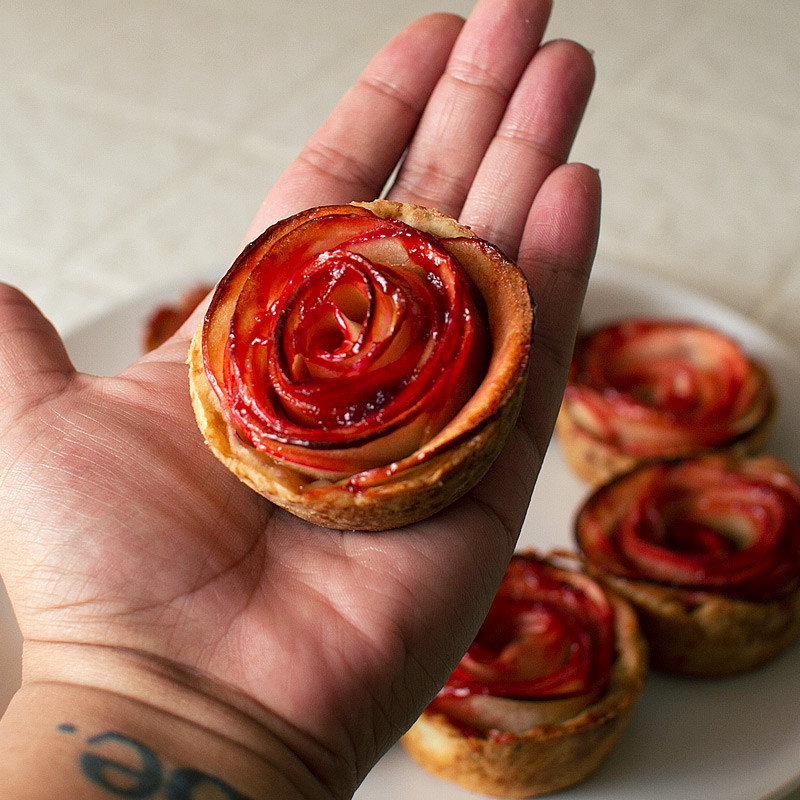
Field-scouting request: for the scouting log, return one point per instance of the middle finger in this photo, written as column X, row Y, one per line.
column 462, row 115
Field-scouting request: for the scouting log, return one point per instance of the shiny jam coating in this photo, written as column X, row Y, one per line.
column 340, row 341
column 709, row 524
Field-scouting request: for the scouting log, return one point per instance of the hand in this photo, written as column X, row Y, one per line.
column 127, row 545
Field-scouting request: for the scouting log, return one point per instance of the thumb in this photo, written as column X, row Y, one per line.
column 33, row 360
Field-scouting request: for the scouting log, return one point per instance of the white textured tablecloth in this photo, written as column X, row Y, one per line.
column 138, row 138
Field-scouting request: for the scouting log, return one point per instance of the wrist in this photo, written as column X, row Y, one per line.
column 103, row 722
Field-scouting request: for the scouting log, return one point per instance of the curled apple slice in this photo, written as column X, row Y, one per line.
column 361, row 365
column 708, row 550
column 647, row 388
column 544, row 691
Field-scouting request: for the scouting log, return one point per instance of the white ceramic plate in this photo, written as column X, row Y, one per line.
column 732, row 739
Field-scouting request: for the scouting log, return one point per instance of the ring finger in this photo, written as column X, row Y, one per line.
column 533, row 138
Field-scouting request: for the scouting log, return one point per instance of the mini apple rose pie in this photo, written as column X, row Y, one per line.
column 707, row 549
column 362, row 365
column 645, row 388
column 544, row 691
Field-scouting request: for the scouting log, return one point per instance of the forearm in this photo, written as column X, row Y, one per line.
column 153, row 738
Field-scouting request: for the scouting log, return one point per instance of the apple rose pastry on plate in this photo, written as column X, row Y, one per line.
column 707, row 549
column 362, row 365
column 544, row 691
column 642, row 389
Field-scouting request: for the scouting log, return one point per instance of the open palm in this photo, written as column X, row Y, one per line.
column 122, row 530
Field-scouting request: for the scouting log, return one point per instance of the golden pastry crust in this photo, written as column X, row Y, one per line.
column 446, row 466
column 706, row 635
column 546, row 757
column 591, row 459
column 696, row 632
column 596, row 458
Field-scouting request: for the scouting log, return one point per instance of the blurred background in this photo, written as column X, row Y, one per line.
column 138, row 138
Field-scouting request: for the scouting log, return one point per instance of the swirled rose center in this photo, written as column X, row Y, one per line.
column 348, row 338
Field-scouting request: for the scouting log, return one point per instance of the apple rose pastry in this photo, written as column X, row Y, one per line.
column 544, row 691
column 707, row 549
column 362, row 365
column 645, row 388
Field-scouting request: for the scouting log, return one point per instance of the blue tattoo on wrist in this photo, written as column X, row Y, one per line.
column 126, row 768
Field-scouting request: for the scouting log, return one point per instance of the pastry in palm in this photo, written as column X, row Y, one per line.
column 545, row 690
column 362, row 365
column 641, row 389
column 707, row 549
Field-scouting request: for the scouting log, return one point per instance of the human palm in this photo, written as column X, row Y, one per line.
column 123, row 531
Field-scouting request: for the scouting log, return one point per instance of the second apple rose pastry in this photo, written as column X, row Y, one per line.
column 641, row 389
column 362, row 365
column 708, row 551
column 544, row 691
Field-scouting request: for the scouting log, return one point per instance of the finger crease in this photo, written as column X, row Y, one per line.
column 392, row 92
column 518, row 136
column 493, row 515
column 418, row 181
column 337, row 164
column 474, row 76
